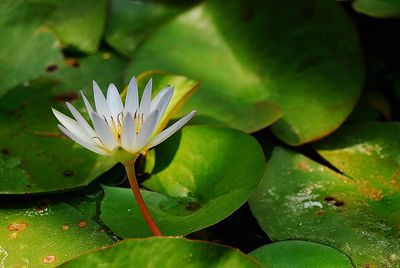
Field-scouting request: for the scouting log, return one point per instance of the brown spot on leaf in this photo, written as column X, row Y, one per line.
column 68, row 173
column 17, row 226
column 191, row 206
column 339, row 203
column 51, row 68
column 370, row 192
column 68, row 96
column 65, row 227
column 72, row 62
column 304, row 166
column 329, row 198
column 5, row 151
column 368, row 266
column 49, row 259
column 374, row 194
column 334, row 201
column 82, row 224
column 319, row 213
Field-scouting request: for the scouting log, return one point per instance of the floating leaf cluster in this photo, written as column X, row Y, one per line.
column 291, row 161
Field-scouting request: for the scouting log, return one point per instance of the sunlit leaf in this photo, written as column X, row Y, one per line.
column 46, row 234
column 378, row 8
column 367, row 152
column 131, row 22
column 164, row 252
column 248, row 82
column 297, row 254
column 301, row 199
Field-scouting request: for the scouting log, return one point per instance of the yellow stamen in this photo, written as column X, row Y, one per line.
column 138, row 120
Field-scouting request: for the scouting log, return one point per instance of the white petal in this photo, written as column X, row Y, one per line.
column 81, row 120
column 132, row 97
column 71, row 125
column 171, row 130
column 128, row 135
column 163, row 104
column 104, row 132
column 145, row 132
column 114, row 101
column 89, row 108
column 145, row 102
column 156, row 100
column 85, row 144
column 100, row 102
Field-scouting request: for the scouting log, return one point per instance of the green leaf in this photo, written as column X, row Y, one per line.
column 248, row 74
column 77, row 74
column 79, row 23
column 46, row 234
column 369, row 153
column 131, row 22
column 192, row 54
column 297, row 254
column 301, row 199
column 378, row 8
column 164, row 252
column 27, row 46
column 35, row 156
column 198, row 181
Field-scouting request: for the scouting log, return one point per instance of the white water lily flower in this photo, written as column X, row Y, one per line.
column 121, row 131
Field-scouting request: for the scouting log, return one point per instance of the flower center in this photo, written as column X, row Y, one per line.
column 117, row 124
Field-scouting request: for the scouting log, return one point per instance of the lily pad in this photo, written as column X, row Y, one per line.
column 131, row 22
column 27, row 122
column 367, row 152
column 301, row 199
column 297, row 254
column 378, row 8
column 79, row 23
column 46, row 234
column 77, row 74
column 166, row 252
column 198, row 181
column 28, row 47
column 192, row 54
column 35, row 156
column 259, row 74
